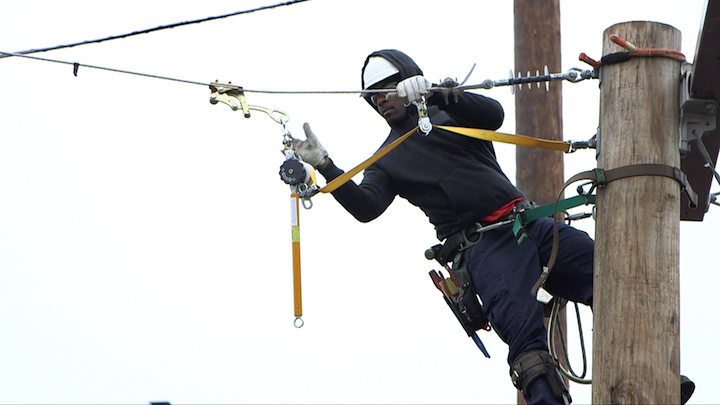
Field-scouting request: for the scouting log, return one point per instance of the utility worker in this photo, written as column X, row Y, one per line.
column 458, row 183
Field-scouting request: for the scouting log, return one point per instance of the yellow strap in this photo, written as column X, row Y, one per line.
column 484, row 134
column 508, row 138
column 297, row 283
column 343, row 178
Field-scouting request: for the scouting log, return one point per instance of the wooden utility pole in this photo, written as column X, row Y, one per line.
column 540, row 172
column 538, row 113
column 636, row 344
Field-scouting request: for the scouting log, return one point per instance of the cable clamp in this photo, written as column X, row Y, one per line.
column 234, row 97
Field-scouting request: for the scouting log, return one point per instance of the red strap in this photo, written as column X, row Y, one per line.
column 502, row 211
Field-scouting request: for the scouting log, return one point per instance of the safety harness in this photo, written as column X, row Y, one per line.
column 483, row 134
column 457, row 289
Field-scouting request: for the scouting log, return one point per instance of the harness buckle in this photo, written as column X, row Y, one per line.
column 471, row 235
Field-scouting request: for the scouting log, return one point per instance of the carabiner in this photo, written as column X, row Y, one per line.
column 424, row 120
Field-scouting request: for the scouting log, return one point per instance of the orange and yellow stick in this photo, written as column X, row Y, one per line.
column 297, row 288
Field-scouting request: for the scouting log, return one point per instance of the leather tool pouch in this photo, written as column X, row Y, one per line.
column 460, row 296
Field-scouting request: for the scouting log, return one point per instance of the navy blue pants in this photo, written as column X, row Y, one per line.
column 504, row 272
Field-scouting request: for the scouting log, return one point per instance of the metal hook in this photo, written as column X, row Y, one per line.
column 581, row 190
column 284, row 117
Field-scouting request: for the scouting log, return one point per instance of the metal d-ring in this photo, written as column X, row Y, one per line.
column 298, row 325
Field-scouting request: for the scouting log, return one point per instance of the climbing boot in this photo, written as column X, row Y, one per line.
column 687, row 388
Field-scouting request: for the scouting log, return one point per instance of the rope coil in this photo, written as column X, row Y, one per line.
column 632, row 51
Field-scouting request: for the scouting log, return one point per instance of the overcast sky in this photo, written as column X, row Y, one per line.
column 145, row 249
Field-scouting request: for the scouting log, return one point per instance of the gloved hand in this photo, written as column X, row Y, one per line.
column 310, row 150
column 413, row 88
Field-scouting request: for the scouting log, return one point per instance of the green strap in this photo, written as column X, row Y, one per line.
column 600, row 177
column 548, row 210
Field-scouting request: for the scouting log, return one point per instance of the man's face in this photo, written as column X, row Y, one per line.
column 392, row 108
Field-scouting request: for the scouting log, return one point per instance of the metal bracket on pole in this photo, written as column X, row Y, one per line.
column 697, row 117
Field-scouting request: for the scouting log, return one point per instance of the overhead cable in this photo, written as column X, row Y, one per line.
column 571, row 76
column 162, row 27
column 77, row 65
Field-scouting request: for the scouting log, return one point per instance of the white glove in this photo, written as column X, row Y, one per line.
column 310, row 150
column 413, row 88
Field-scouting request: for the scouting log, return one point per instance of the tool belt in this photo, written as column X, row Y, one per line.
column 457, row 289
column 472, row 234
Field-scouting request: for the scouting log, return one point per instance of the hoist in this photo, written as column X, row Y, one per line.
column 300, row 176
column 296, row 173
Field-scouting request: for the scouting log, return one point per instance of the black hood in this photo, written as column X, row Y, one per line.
column 402, row 62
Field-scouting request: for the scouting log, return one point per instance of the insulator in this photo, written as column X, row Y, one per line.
column 547, row 84
column 512, row 76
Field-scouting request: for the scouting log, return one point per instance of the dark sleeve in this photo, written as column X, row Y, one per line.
column 471, row 110
column 367, row 200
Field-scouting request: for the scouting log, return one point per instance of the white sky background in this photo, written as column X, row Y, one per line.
column 144, row 233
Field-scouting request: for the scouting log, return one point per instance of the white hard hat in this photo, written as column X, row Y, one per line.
column 377, row 70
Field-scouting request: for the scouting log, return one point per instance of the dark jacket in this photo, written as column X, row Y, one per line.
column 454, row 179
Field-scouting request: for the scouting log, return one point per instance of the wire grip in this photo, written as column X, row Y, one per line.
column 234, row 97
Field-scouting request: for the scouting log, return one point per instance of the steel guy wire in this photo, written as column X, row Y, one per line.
column 76, row 65
column 571, row 76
